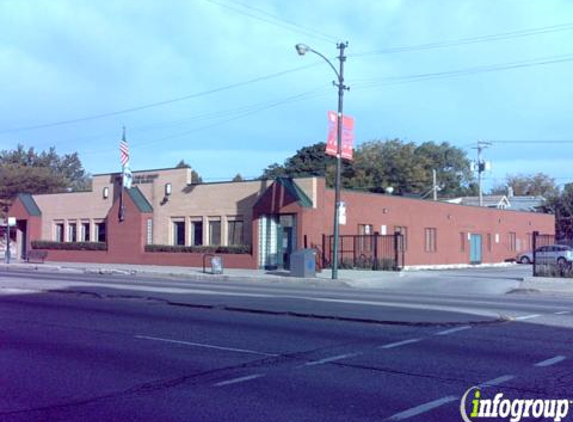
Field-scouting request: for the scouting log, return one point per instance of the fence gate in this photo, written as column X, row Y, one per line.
column 372, row 252
column 552, row 256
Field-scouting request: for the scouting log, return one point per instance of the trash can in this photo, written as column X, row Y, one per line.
column 303, row 263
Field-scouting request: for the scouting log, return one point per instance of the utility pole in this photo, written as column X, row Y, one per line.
column 7, row 239
column 481, row 167
column 339, row 83
column 435, row 184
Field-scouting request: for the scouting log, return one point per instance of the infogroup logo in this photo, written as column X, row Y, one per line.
column 514, row 410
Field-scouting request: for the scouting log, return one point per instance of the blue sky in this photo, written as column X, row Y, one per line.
column 211, row 63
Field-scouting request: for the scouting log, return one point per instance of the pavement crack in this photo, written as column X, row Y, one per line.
column 286, row 313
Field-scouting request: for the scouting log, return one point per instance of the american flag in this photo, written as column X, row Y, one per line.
column 124, row 151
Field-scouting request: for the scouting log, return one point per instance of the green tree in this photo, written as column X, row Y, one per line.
column 528, row 185
column 378, row 164
column 454, row 175
column 562, row 206
column 408, row 167
column 308, row 161
column 381, row 164
column 25, row 170
column 238, row 178
column 195, row 177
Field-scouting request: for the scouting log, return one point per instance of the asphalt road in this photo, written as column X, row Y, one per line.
column 129, row 356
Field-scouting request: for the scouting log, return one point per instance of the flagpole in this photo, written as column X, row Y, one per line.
column 121, row 211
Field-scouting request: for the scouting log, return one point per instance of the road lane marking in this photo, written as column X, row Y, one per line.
column 423, row 408
column 551, row 361
column 331, row 359
column 399, row 343
column 208, row 346
column 523, row 318
column 497, row 381
column 238, row 380
column 453, row 330
column 562, row 312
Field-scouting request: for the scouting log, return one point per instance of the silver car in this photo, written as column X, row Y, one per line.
column 549, row 254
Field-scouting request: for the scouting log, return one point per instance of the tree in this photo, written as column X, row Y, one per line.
column 380, row 164
column 562, row 206
column 195, row 177
column 454, row 175
column 308, row 161
column 68, row 167
column 407, row 168
column 528, row 185
column 25, row 170
column 238, row 178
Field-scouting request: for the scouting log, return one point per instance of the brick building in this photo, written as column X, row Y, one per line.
column 274, row 218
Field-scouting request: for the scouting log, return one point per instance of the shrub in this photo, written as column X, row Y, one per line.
column 69, row 246
column 236, row 249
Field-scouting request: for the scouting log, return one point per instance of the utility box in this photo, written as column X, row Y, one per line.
column 216, row 265
column 303, row 263
column 213, row 261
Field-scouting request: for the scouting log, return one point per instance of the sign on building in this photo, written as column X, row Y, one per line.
column 342, row 214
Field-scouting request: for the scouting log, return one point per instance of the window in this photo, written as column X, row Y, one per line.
column 100, row 232
column 59, row 233
column 196, row 233
column 403, row 244
column 462, row 242
column 85, row 232
column 430, row 243
column 149, row 231
column 365, row 229
column 511, row 240
column 179, row 233
column 214, row 232
column 72, row 232
column 489, row 242
column 365, row 242
column 235, row 231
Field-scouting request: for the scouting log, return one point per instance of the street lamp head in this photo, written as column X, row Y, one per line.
column 302, row 49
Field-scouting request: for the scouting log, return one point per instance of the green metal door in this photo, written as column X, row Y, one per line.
column 475, row 249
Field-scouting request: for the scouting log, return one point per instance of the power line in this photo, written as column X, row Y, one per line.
column 275, row 21
column 326, row 37
column 371, row 83
column 470, row 40
column 238, row 114
column 159, row 103
column 531, row 141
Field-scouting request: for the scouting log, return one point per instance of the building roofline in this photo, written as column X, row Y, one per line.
column 142, row 171
column 426, row 201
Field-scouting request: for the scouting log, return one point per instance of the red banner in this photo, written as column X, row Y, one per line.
column 347, row 136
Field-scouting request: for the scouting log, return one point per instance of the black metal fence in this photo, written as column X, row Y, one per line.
column 552, row 256
column 370, row 252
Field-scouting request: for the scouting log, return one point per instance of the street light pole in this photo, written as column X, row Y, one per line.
column 302, row 49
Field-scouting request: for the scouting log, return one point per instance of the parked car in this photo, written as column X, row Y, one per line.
column 548, row 254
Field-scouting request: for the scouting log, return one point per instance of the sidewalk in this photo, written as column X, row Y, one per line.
column 430, row 281
column 337, row 300
column 345, row 277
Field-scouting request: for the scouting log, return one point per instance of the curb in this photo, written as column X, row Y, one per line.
column 547, row 284
column 193, row 276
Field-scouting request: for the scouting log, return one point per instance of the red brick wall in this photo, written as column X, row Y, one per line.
column 150, row 258
column 448, row 219
column 33, row 224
